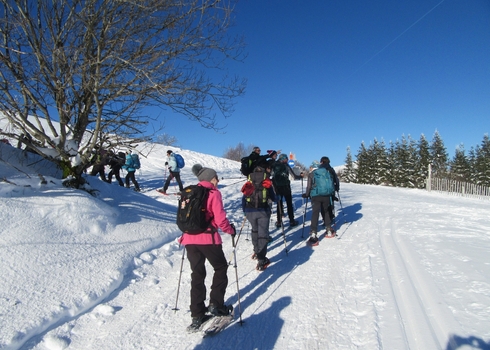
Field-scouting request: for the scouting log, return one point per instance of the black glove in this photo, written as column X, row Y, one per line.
column 335, row 198
column 234, row 230
column 166, row 163
column 304, row 195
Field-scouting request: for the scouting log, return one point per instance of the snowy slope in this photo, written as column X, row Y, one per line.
column 409, row 270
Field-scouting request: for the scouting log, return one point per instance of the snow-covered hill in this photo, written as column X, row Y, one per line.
column 409, row 270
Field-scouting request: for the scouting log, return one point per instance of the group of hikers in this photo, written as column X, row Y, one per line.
column 268, row 182
column 128, row 161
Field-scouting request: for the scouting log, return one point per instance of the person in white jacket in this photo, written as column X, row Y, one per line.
column 174, row 172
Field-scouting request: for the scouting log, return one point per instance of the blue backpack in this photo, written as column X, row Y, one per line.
column 136, row 160
column 179, row 160
column 323, row 183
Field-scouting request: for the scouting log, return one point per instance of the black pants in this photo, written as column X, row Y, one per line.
column 285, row 192
column 130, row 176
column 115, row 172
column 197, row 255
column 170, row 177
column 99, row 169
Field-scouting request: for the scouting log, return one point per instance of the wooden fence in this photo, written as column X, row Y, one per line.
column 458, row 188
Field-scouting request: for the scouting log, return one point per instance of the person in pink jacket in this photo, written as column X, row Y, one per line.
column 208, row 246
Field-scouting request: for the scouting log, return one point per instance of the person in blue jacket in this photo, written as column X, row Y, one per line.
column 129, row 166
column 174, row 172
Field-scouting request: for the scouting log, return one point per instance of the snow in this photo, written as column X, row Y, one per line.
column 409, row 270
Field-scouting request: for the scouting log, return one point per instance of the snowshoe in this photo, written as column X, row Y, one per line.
column 262, row 265
column 197, row 323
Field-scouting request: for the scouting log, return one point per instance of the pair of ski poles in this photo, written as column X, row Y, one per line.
column 234, row 244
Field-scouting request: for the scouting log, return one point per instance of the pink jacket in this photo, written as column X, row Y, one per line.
column 216, row 210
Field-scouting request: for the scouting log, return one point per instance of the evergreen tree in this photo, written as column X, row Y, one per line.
column 423, row 161
column 403, row 162
column 349, row 173
column 472, row 164
column 363, row 163
column 391, row 170
column 482, row 164
column 460, row 166
column 439, row 156
column 379, row 166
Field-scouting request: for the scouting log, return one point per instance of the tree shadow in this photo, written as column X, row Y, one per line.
column 456, row 342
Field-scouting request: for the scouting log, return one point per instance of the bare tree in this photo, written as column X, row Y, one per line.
column 166, row 139
column 237, row 152
column 93, row 66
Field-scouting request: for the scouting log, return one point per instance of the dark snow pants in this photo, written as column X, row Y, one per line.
column 319, row 203
column 197, row 255
column 259, row 220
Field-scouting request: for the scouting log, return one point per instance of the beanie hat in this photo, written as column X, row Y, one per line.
column 315, row 165
column 282, row 157
column 169, row 151
column 204, row 174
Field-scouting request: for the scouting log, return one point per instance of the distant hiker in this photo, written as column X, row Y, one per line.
column 207, row 245
column 131, row 167
column 174, row 172
column 249, row 163
column 116, row 161
column 257, row 193
column 320, row 189
column 282, row 185
column 101, row 158
column 325, row 163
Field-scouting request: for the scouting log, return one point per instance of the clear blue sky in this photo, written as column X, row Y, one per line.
column 325, row 75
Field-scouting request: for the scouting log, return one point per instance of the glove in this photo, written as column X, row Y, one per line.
column 166, row 163
column 335, row 198
column 304, row 195
column 234, row 230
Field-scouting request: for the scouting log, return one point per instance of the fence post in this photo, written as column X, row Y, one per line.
column 429, row 175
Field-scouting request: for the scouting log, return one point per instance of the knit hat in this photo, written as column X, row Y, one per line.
column 282, row 157
column 315, row 165
column 204, row 174
column 169, row 151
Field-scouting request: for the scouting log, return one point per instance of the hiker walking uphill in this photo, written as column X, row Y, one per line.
column 325, row 163
column 116, row 162
column 132, row 163
column 174, row 172
column 257, row 193
column 282, row 185
column 98, row 168
column 320, row 188
column 207, row 245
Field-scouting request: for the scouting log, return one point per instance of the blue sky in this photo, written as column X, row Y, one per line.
column 325, row 75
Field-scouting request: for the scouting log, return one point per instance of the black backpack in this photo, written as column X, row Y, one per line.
column 246, row 167
column 191, row 212
column 257, row 195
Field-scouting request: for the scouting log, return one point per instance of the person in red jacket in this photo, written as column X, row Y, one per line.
column 208, row 246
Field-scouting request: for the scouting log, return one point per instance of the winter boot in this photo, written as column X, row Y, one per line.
column 293, row 223
column 223, row 310
column 197, row 323
column 263, row 263
column 313, row 239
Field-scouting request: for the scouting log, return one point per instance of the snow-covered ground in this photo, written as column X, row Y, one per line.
column 409, row 270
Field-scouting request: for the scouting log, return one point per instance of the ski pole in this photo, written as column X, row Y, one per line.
column 239, row 233
column 282, row 226
column 236, row 274
column 304, row 218
column 180, row 276
column 302, row 186
column 342, row 208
